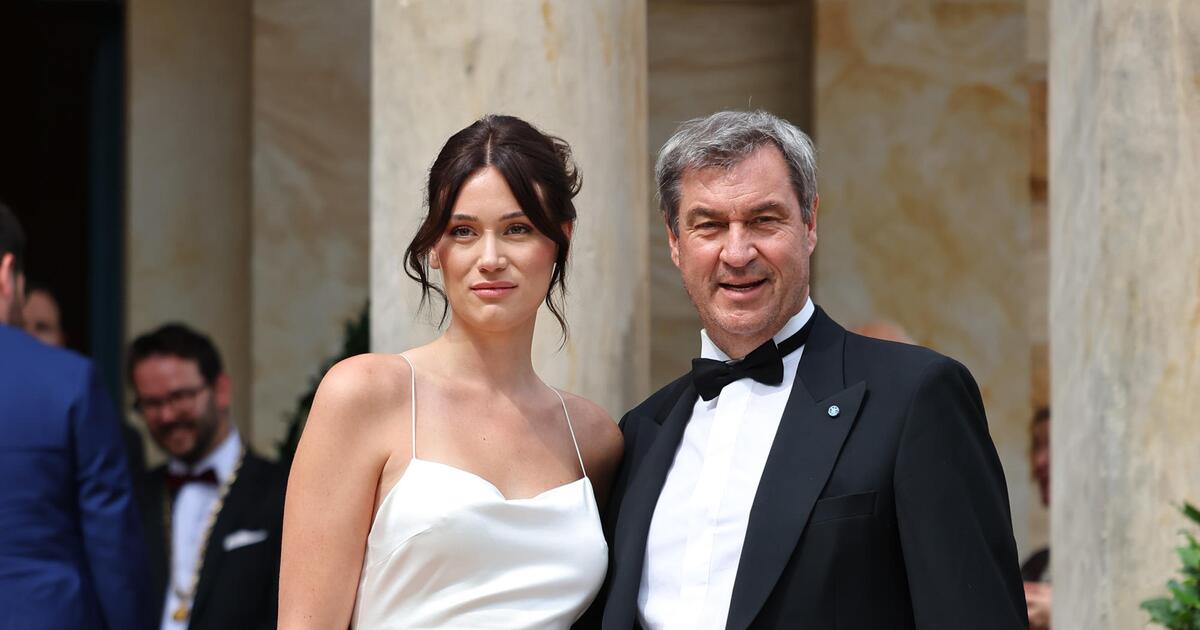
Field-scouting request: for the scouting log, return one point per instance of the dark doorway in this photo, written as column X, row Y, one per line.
column 61, row 160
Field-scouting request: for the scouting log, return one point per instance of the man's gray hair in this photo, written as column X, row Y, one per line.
column 724, row 139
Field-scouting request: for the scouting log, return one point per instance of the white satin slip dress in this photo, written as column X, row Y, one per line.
column 448, row 550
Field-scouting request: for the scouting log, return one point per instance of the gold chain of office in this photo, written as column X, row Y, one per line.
column 184, row 609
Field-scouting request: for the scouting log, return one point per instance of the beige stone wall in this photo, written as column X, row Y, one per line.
column 1124, row 300
column 310, row 239
column 703, row 57
column 922, row 130
column 576, row 69
column 187, row 176
column 1037, row 257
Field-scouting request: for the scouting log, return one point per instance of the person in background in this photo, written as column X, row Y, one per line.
column 70, row 541
column 213, row 513
column 1036, row 570
column 43, row 319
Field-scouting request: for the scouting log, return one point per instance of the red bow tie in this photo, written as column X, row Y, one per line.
column 175, row 481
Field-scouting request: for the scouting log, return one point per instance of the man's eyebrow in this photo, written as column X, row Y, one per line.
column 702, row 212
column 767, row 206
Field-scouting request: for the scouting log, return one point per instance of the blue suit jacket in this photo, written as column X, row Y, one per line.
column 71, row 548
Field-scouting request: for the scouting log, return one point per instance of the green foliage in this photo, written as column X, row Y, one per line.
column 356, row 339
column 1180, row 610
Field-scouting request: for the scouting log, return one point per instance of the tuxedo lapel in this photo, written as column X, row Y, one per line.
column 155, row 504
column 805, row 449
column 239, row 499
column 637, row 508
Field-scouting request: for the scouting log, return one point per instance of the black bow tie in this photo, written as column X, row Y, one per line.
column 764, row 364
column 175, row 481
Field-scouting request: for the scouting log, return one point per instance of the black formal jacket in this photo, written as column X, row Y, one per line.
column 238, row 588
column 892, row 515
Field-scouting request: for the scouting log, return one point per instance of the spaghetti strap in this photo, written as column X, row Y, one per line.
column 412, row 390
column 571, row 429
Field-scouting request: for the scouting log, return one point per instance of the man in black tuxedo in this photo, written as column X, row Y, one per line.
column 213, row 514
column 800, row 476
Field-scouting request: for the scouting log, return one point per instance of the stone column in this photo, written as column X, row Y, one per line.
column 575, row 68
column 311, row 126
column 188, row 175
column 1125, row 300
column 922, row 132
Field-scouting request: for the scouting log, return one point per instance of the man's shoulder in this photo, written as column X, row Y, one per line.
column 33, row 371
column 893, row 357
column 266, row 475
column 660, row 401
column 27, row 355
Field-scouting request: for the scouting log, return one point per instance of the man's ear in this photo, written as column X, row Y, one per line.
column 223, row 389
column 673, row 242
column 434, row 261
column 8, row 282
column 812, row 227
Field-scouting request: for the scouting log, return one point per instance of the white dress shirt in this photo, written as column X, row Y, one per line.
column 189, row 516
column 699, row 523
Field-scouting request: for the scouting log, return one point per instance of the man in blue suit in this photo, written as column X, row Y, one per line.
column 71, row 550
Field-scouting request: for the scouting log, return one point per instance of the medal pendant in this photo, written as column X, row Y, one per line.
column 181, row 613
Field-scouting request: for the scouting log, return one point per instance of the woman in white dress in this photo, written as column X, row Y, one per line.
column 448, row 486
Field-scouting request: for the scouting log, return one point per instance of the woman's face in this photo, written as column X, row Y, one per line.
column 495, row 265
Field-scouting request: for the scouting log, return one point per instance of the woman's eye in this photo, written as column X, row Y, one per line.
column 460, row 231
column 520, row 228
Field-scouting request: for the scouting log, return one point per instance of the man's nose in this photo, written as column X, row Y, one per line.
column 167, row 413
column 739, row 249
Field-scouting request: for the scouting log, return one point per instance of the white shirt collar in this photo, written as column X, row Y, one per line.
column 709, row 350
column 222, row 459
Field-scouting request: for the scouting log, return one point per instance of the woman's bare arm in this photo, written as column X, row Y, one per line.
column 332, row 488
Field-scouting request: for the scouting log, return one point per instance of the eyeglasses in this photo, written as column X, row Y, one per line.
column 175, row 399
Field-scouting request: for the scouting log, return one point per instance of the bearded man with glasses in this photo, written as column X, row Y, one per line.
column 213, row 514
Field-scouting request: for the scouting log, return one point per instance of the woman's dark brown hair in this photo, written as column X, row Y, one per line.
column 537, row 168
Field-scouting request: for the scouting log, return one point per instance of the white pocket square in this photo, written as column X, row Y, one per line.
column 243, row 537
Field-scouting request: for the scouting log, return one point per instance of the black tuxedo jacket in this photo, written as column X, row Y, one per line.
column 237, row 588
column 892, row 515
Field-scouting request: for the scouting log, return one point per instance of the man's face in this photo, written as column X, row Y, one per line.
column 743, row 249
column 42, row 318
column 185, row 416
column 12, row 292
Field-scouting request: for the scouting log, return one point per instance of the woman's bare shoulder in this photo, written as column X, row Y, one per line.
column 364, row 387
column 595, row 429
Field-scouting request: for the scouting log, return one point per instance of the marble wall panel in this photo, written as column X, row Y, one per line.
column 311, row 133
column 1124, row 88
column 187, row 176
column 922, row 129
column 575, row 69
column 705, row 57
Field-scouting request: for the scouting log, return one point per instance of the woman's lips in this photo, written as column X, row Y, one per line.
column 493, row 289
